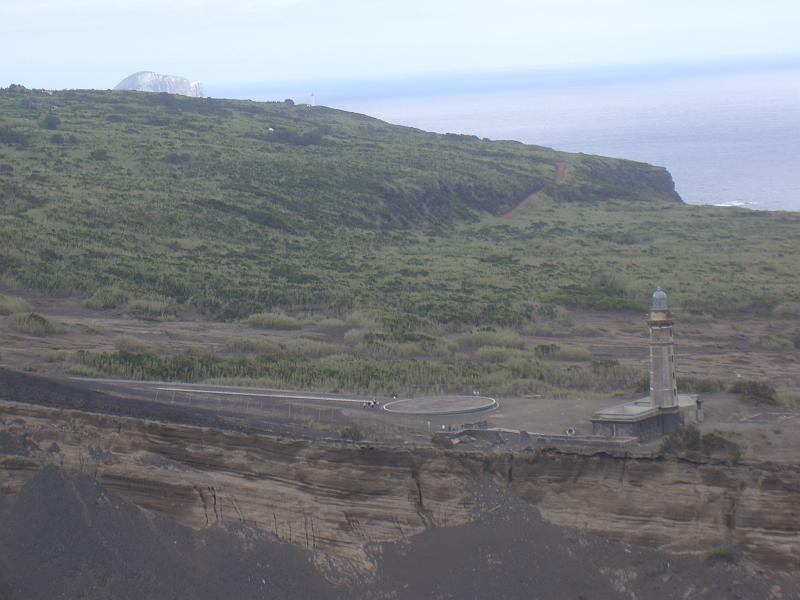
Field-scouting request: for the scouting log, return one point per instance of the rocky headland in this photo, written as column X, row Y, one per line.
column 147, row 81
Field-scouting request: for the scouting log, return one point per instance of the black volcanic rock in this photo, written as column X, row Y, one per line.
column 64, row 536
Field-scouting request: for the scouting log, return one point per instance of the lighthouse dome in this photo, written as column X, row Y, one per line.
column 659, row 300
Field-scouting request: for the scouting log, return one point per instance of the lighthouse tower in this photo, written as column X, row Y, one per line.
column 663, row 388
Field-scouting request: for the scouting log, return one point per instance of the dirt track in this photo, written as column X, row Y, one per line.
column 561, row 173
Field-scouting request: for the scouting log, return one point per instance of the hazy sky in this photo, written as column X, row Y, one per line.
column 95, row 43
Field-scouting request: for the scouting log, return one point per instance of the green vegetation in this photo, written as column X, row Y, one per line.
column 756, row 392
column 196, row 201
column 352, row 433
column 697, row 385
column 441, row 440
column 108, row 297
column 33, row 323
column 285, row 366
column 688, row 442
column 127, row 343
column 273, row 321
column 12, row 304
column 390, row 243
column 151, row 308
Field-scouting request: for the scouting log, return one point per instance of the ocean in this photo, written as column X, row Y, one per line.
column 727, row 138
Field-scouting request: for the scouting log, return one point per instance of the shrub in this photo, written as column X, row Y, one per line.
column 50, row 122
column 493, row 354
column 698, row 386
column 547, row 350
column 352, row 433
column 258, row 346
column 177, row 158
column 363, row 319
column 775, row 342
column 575, row 354
column 688, row 441
column 717, row 442
column 151, row 308
column 683, row 439
column 127, row 343
column 787, row 310
column 273, row 321
column 310, row 348
column 756, row 392
column 99, row 155
column 12, row 304
column 13, row 137
column 441, row 440
column 110, row 297
column 506, row 338
column 321, row 321
column 33, row 323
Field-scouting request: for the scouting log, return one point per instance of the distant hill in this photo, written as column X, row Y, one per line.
column 147, row 81
column 240, row 206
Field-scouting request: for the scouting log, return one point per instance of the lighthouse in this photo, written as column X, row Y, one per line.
column 663, row 387
column 663, row 410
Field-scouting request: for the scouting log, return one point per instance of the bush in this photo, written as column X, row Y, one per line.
column 575, row 354
column 697, row 385
column 12, row 304
column 441, row 440
column 756, row 392
column 127, row 343
column 273, row 321
column 505, row 338
column 151, row 308
column 99, row 155
column 33, row 323
column 363, row 319
column 51, row 122
column 775, row 342
column 787, row 310
column 110, row 297
column 493, row 354
column 683, row 439
column 352, row 433
column 717, row 442
column 688, row 441
column 13, row 137
column 258, row 346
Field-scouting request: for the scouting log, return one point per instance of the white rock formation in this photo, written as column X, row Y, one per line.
column 147, row 81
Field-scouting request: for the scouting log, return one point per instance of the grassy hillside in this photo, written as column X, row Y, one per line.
column 155, row 201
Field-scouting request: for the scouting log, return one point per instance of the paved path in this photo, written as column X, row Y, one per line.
column 445, row 405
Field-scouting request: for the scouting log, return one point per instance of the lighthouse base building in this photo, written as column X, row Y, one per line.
column 664, row 410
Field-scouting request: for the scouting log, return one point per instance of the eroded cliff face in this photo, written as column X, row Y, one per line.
column 339, row 500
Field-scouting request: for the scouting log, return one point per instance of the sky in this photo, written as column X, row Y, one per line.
column 58, row 44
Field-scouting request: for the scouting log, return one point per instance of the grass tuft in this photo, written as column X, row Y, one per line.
column 274, row 320
column 34, row 324
column 13, row 304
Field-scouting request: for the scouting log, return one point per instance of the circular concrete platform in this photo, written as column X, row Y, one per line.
column 441, row 405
